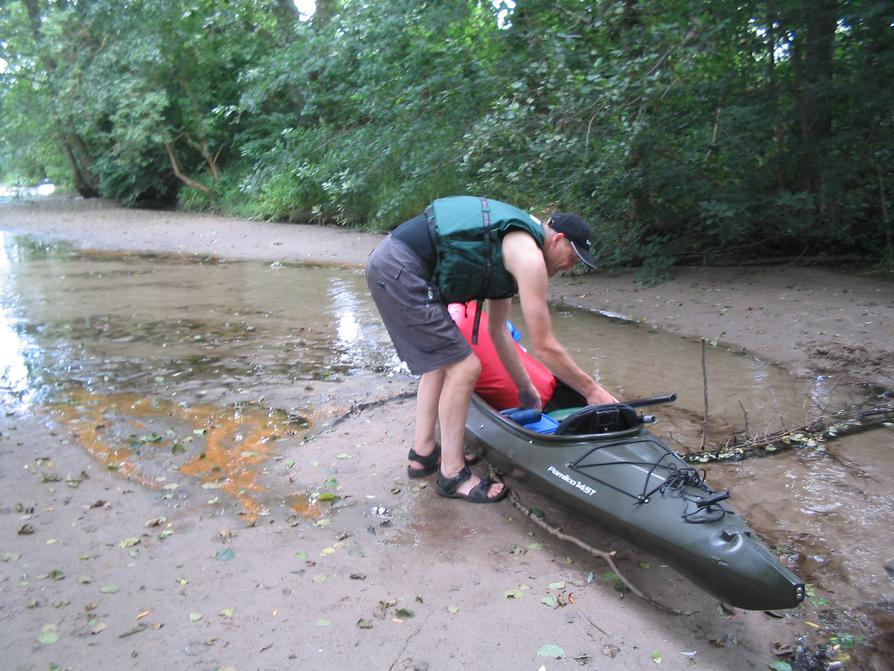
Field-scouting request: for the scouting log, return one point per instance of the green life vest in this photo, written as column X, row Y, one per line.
column 468, row 235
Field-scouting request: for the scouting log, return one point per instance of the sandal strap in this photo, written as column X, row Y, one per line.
column 427, row 460
column 479, row 491
column 450, row 485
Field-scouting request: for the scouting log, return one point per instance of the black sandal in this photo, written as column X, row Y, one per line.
column 430, row 462
column 478, row 494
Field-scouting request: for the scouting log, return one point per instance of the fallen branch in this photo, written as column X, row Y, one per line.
column 607, row 557
column 856, row 419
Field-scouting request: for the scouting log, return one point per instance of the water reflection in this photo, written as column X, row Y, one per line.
column 14, row 371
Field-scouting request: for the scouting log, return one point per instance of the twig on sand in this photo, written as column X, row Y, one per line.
column 357, row 408
column 745, row 413
column 705, row 386
column 407, row 642
column 602, row 554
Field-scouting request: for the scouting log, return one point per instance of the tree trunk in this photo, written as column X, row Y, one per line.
column 813, row 58
column 82, row 180
column 773, row 87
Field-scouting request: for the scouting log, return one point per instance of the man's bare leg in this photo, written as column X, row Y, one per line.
column 427, row 395
column 453, row 407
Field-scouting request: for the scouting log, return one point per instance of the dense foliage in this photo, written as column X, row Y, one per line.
column 685, row 129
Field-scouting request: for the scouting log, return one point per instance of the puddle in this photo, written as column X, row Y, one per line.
column 188, row 376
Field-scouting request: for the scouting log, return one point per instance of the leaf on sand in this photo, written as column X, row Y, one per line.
column 344, row 455
column 551, row 650
column 550, row 601
column 404, row 613
column 657, row 657
column 779, row 665
column 557, row 585
column 225, row 554
column 129, row 542
column 195, row 617
column 98, row 628
column 513, row 594
column 364, row 624
column 227, row 612
column 302, row 555
column 453, row 610
column 323, row 622
column 109, row 589
column 49, row 634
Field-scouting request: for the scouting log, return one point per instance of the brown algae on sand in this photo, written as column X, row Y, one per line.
column 142, row 439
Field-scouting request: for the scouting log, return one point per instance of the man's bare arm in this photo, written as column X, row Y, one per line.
column 498, row 312
column 524, row 259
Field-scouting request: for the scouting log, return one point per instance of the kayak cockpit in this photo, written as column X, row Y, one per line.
column 600, row 422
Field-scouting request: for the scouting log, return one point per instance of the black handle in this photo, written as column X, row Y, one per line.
column 711, row 500
column 652, row 400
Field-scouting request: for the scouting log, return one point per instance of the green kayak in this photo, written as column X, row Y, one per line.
column 601, row 461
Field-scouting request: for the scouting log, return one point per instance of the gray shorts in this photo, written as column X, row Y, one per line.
column 423, row 333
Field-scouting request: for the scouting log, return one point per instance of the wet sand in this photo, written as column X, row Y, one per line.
column 391, row 575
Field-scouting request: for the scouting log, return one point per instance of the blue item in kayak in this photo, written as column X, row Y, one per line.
column 532, row 420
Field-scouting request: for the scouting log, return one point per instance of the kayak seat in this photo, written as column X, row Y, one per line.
column 562, row 413
column 595, row 419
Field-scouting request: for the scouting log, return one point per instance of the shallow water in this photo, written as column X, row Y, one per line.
column 185, row 328
column 183, row 374
column 743, row 392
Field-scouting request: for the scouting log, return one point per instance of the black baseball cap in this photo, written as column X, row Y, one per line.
column 578, row 233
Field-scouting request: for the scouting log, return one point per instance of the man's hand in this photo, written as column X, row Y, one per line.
column 600, row 396
column 529, row 398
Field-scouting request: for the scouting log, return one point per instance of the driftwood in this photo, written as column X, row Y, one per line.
column 829, row 426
